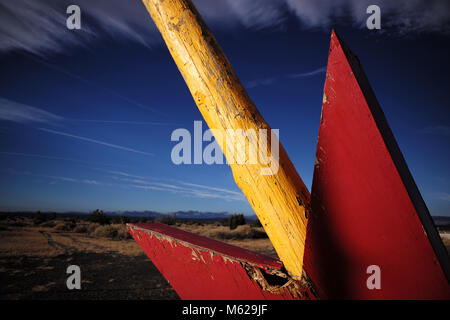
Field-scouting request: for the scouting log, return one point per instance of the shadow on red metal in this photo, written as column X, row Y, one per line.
column 367, row 209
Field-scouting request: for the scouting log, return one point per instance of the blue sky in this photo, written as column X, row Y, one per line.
column 86, row 115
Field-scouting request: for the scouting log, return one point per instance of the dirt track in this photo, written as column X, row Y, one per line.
column 33, row 263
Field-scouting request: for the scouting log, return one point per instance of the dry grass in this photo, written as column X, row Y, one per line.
column 244, row 236
column 25, row 242
column 20, row 237
column 63, row 226
column 115, row 231
column 224, row 233
column 445, row 236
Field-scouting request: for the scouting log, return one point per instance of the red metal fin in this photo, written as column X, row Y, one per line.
column 367, row 209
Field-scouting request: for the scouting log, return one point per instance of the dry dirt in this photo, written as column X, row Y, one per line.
column 34, row 259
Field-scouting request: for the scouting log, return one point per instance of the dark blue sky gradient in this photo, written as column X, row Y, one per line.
column 120, row 81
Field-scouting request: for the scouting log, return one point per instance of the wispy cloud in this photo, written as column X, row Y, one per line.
column 88, row 82
column 107, row 144
column 88, row 181
column 39, row 26
column 126, row 174
column 445, row 196
column 52, row 177
column 271, row 80
column 261, row 82
column 400, row 16
column 182, row 188
column 43, row 156
column 308, row 74
column 122, row 122
column 437, row 130
column 22, row 113
column 211, row 188
column 190, row 192
column 128, row 180
column 196, row 190
column 56, row 178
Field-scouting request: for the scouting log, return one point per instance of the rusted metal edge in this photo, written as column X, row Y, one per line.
column 270, row 263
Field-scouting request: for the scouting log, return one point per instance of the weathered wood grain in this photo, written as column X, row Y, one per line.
column 280, row 199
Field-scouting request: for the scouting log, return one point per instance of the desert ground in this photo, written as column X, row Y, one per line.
column 35, row 254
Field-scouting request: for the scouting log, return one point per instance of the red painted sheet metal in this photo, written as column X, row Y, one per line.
column 203, row 268
column 367, row 209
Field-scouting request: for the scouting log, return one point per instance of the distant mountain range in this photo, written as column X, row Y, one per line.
column 192, row 215
column 183, row 215
column 204, row 215
column 441, row 221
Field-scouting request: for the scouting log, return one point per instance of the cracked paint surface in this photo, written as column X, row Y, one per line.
column 201, row 268
column 225, row 104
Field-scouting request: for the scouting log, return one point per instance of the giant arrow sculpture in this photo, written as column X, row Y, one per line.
column 366, row 209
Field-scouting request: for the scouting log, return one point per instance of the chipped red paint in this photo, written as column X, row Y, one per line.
column 201, row 268
column 367, row 210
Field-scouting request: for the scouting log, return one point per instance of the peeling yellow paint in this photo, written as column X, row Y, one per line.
column 225, row 104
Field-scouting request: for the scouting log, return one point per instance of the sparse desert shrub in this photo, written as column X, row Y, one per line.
column 236, row 220
column 107, row 231
column 40, row 218
column 256, row 233
column 241, row 232
column 122, row 232
column 98, row 216
column 13, row 222
column 122, row 220
column 168, row 219
column 443, row 229
column 91, row 228
column 114, row 231
column 63, row 226
column 81, row 228
column 48, row 224
column 224, row 222
column 256, row 223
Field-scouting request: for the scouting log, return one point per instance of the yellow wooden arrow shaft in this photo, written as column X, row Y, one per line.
column 279, row 199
